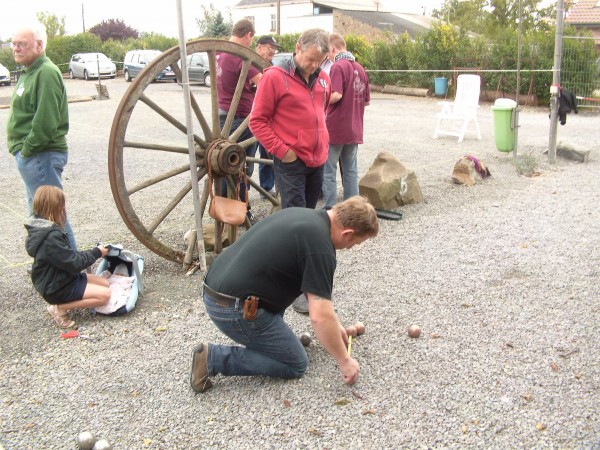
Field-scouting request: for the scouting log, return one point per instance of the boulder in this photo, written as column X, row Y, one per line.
column 468, row 170
column 389, row 184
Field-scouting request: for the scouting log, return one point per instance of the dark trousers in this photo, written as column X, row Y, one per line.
column 298, row 184
column 266, row 176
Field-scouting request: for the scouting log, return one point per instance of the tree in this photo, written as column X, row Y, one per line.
column 54, row 26
column 213, row 25
column 490, row 16
column 113, row 29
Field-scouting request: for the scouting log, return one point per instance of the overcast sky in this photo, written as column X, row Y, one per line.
column 144, row 16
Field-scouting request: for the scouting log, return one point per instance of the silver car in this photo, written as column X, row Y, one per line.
column 91, row 65
column 4, row 76
column 198, row 69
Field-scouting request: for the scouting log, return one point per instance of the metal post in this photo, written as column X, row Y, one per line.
column 185, row 83
column 555, row 81
column 515, row 117
column 278, row 31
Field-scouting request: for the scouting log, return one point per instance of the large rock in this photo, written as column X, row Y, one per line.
column 389, row 184
column 468, row 170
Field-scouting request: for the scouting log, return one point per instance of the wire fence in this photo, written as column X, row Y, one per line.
column 580, row 75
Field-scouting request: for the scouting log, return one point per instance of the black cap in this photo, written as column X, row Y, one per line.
column 269, row 40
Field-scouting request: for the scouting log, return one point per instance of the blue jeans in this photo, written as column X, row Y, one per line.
column 44, row 169
column 298, row 184
column 266, row 176
column 250, row 151
column 270, row 347
column 346, row 154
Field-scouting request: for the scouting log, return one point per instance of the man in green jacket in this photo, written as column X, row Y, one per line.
column 38, row 122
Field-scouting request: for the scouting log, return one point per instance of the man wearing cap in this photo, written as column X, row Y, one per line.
column 229, row 68
column 266, row 47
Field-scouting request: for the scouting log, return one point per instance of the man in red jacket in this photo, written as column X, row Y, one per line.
column 288, row 118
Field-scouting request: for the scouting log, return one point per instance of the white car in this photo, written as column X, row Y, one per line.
column 91, row 65
column 4, row 76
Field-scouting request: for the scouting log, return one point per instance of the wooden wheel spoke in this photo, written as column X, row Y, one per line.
column 169, row 118
column 239, row 130
column 212, row 66
column 203, row 123
column 170, row 207
column 159, row 147
column 236, row 100
column 162, row 177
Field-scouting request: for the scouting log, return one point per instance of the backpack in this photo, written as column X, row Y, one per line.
column 123, row 269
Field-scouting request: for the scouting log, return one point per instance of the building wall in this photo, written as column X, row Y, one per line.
column 295, row 18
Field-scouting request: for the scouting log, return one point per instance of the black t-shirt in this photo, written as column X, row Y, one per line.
column 283, row 255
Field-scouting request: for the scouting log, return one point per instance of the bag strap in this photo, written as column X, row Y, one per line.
column 211, row 179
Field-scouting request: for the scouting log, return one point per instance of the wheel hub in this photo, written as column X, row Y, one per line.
column 225, row 157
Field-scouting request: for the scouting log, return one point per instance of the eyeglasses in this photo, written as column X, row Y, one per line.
column 20, row 45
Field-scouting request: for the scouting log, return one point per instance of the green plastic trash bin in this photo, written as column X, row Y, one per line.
column 504, row 131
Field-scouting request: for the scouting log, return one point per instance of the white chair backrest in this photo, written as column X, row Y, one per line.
column 467, row 93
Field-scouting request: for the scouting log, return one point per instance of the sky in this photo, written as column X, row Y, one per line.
column 144, row 16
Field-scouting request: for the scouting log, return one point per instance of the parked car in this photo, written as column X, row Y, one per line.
column 136, row 60
column 281, row 58
column 86, row 66
column 198, row 69
column 4, row 76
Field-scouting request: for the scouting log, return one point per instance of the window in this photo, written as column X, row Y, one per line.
column 273, row 22
column 320, row 9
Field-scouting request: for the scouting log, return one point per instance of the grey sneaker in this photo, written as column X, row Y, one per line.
column 199, row 375
column 300, row 305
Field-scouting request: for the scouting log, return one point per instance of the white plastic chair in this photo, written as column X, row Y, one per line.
column 457, row 115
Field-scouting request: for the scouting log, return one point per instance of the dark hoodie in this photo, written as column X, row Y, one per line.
column 55, row 265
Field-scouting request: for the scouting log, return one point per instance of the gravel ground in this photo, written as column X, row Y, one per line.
column 502, row 277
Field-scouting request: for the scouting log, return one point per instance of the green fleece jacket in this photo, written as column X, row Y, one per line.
column 39, row 115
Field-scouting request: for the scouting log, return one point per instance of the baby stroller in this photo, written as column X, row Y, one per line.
column 123, row 269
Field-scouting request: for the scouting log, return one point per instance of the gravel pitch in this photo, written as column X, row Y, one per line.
column 502, row 277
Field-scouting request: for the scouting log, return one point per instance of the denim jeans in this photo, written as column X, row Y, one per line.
column 266, row 176
column 270, row 347
column 298, row 184
column 346, row 155
column 44, row 169
column 250, row 151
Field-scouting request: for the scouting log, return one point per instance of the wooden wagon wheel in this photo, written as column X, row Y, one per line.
column 149, row 171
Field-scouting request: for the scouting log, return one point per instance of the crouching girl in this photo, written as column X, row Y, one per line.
column 57, row 269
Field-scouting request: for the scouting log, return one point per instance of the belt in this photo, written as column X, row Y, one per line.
column 230, row 299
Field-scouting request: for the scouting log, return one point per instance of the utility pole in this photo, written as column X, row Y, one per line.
column 82, row 17
column 278, row 27
column 560, row 12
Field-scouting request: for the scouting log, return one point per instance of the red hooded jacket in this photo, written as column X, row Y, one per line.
column 288, row 113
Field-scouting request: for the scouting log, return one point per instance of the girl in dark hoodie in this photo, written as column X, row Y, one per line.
column 57, row 269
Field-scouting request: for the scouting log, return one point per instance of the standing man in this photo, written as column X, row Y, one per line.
column 350, row 94
column 229, row 68
column 266, row 47
column 288, row 118
column 38, row 121
column 289, row 252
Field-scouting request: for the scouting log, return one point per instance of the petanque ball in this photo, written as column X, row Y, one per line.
column 86, row 440
column 305, row 339
column 414, row 331
column 102, row 444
